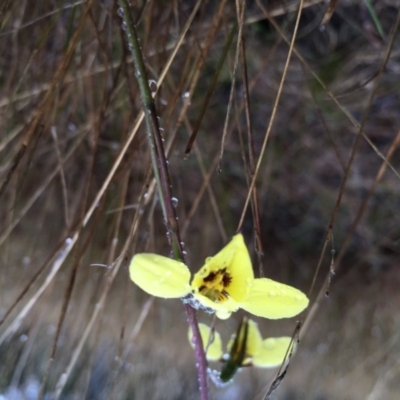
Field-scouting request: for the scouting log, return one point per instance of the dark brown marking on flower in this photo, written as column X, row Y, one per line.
column 211, row 276
column 226, row 280
column 214, row 285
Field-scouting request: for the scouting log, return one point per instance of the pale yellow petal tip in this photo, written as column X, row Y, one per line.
column 160, row 276
column 272, row 352
column 303, row 300
column 238, row 238
column 213, row 347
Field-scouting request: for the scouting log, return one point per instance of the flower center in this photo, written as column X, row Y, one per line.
column 214, row 285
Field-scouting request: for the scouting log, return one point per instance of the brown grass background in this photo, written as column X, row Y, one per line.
column 68, row 102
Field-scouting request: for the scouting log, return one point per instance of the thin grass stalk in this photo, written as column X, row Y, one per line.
column 273, row 114
column 161, row 175
column 210, row 90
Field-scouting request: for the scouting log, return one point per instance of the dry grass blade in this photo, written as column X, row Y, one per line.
column 272, row 118
column 210, row 91
column 328, row 92
column 59, row 259
column 251, row 159
column 240, row 9
column 58, row 77
column 38, row 193
column 325, row 287
column 329, row 11
column 393, row 147
column 283, row 369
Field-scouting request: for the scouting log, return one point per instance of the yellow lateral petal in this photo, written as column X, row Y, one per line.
column 160, row 276
column 272, row 352
column 235, row 258
column 214, row 349
column 273, row 300
column 254, row 341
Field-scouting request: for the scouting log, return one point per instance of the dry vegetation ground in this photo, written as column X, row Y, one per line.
column 69, row 101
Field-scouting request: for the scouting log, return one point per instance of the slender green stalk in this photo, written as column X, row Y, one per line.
column 375, row 18
column 161, row 174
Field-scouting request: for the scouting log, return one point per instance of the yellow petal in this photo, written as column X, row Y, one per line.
column 223, row 314
column 160, row 276
column 234, row 257
column 273, row 300
column 254, row 342
column 254, row 339
column 272, row 352
column 214, row 347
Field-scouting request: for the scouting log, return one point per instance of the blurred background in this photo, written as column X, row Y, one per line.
column 77, row 190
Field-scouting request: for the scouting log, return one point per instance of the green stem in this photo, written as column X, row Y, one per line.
column 162, row 177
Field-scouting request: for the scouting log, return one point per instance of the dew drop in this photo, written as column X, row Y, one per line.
column 174, row 202
column 23, row 338
column 153, row 85
column 271, row 343
column 184, row 253
column 186, row 95
column 120, row 12
column 72, row 127
column 204, row 271
column 322, row 348
column 26, row 260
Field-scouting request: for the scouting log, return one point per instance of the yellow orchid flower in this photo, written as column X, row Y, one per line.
column 211, row 341
column 223, row 284
column 245, row 348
